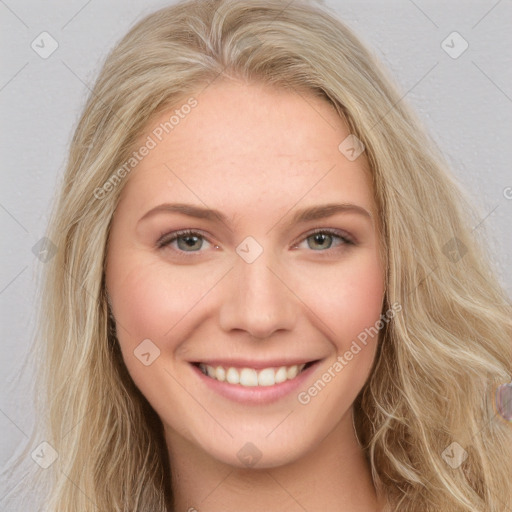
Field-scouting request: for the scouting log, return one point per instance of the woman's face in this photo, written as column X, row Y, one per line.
column 252, row 294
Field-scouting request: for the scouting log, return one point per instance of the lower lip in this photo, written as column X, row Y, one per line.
column 256, row 394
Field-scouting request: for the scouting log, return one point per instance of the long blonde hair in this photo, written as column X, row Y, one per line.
column 438, row 362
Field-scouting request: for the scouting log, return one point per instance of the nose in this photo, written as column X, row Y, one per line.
column 259, row 299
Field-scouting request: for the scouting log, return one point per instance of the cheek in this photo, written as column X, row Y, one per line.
column 152, row 299
column 141, row 299
column 347, row 297
column 358, row 320
column 361, row 303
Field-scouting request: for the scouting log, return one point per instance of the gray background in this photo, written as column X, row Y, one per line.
column 465, row 102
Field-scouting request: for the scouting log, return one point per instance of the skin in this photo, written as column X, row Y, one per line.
column 257, row 154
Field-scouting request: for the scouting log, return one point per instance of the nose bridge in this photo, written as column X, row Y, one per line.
column 258, row 301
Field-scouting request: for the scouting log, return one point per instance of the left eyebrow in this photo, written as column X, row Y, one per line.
column 328, row 210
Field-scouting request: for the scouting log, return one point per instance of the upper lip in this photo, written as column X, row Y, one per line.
column 246, row 363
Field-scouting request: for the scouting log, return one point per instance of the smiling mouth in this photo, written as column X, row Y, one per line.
column 251, row 377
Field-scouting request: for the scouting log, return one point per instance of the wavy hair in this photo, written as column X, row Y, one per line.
column 438, row 363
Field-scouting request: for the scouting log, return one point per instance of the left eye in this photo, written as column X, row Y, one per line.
column 192, row 241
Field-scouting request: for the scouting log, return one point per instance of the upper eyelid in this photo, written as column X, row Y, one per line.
column 173, row 235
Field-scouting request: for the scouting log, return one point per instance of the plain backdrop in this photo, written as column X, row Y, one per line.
column 464, row 100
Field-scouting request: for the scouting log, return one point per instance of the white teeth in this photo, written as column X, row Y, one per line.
column 250, row 377
column 292, row 372
column 232, row 376
column 267, row 377
column 220, row 373
column 281, row 375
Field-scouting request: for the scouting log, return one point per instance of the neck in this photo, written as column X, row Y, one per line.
column 334, row 476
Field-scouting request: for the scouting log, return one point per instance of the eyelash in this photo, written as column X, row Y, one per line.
column 166, row 239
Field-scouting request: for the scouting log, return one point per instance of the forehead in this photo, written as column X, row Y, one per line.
column 248, row 144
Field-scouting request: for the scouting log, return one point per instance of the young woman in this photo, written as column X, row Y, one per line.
column 266, row 295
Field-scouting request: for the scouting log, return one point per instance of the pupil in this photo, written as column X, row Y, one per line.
column 320, row 238
column 189, row 240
